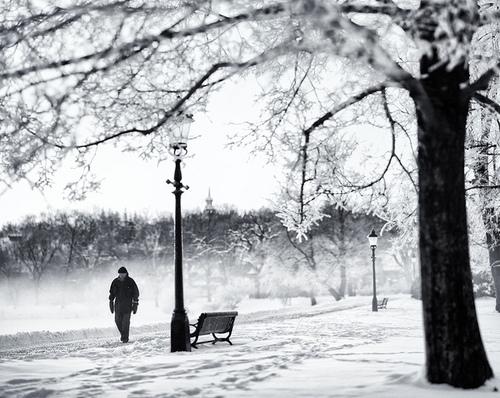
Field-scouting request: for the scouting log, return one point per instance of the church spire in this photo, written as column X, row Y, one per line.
column 209, row 207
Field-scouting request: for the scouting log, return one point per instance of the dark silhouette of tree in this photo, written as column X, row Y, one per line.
column 36, row 248
column 5, row 260
column 253, row 239
column 345, row 235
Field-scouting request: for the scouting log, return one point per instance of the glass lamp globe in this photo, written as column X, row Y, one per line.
column 372, row 238
column 179, row 135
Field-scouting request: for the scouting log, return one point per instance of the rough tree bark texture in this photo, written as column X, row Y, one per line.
column 454, row 349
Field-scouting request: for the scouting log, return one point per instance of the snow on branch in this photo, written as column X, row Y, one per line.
column 129, row 49
column 482, row 99
column 345, row 104
column 482, row 82
column 181, row 101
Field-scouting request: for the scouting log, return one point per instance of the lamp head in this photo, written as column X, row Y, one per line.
column 372, row 239
column 179, row 135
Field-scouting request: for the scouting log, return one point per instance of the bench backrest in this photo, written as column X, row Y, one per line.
column 382, row 303
column 216, row 322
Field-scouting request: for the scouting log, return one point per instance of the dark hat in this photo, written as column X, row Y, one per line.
column 123, row 270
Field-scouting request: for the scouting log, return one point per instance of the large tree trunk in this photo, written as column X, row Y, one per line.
column 454, row 349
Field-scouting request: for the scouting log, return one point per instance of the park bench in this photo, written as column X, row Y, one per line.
column 383, row 303
column 213, row 323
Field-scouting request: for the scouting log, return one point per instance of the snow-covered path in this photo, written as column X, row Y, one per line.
column 336, row 350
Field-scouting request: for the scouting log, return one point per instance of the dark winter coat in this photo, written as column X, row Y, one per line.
column 124, row 292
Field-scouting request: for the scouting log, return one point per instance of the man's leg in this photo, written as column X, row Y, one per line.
column 125, row 326
column 118, row 320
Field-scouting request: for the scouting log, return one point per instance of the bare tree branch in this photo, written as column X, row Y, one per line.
column 482, row 187
column 131, row 48
column 482, row 99
column 351, row 101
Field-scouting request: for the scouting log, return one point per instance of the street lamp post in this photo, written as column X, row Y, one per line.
column 179, row 327
column 372, row 239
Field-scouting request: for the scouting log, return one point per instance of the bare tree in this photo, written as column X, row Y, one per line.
column 36, row 248
column 253, row 239
column 5, row 260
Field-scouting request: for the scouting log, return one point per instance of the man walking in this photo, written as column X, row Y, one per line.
column 123, row 299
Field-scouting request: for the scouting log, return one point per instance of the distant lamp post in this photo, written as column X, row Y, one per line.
column 179, row 327
column 372, row 239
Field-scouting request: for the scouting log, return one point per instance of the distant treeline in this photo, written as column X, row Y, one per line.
column 216, row 244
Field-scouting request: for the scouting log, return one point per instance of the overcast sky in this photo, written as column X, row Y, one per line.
column 234, row 176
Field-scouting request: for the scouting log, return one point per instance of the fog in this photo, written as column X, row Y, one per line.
column 80, row 298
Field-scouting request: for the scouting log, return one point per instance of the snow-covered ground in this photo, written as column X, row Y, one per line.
column 330, row 350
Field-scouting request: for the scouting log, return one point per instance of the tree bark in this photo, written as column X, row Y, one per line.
column 336, row 295
column 454, row 349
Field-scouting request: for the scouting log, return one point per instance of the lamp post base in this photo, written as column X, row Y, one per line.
column 374, row 304
column 179, row 332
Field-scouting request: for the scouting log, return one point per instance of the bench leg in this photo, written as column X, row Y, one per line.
column 228, row 336
column 216, row 339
